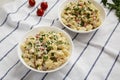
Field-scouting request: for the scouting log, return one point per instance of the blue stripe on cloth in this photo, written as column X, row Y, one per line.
column 31, row 12
column 75, row 36
column 12, row 13
column 25, row 19
column 45, row 14
column 52, row 22
column 44, row 76
column 10, row 32
column 13, row 31
column 25, row 74
column 109, row 12
column 17, row 43
column 37, row 23
column 8, row 52
column 18, row 25
column 80, row 55
column 63, row 28
column 112, row 66
column 9, row 70
column 101, row 51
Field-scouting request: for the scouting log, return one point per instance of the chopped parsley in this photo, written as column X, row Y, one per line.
column 49, row 48
column 45, row 57
column 67, row 8
column 30, row 44
column 82, row 23
column 41, row 39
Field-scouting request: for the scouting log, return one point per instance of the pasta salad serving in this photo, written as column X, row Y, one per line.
column 46, row 50
column 81, row 15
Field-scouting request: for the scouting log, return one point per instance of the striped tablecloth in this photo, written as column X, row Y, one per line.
column 95, row 57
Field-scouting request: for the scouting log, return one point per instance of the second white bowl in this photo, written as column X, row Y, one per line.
column 97, row 5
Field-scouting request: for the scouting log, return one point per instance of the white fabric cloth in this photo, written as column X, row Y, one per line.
column 95, row 57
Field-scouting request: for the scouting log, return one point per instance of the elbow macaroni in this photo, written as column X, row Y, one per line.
column 46, row 50
column 81, row 15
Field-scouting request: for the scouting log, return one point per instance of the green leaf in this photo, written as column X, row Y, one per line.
column 115, row 5
column 111, row 6
column 104, row 2
column 116, row 2
column 45, row 57
column 59, row 42
column 118, row 14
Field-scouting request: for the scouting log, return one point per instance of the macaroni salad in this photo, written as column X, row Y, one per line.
column 46, row 50
column 81, row 15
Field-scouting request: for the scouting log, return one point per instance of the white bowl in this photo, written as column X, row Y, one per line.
column 37, row 30
column 97, row 5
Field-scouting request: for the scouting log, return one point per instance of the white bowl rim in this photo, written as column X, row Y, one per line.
column 42, row 27
column 76, row 31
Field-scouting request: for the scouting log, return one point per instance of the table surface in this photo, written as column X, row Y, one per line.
column 2, row 2
column 95, row 57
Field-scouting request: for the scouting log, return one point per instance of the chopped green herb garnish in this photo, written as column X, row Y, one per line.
column 48, row 42
column 89, row 9
column 82, row 23
column 37, row 50
column 30, row 44
column 66, row 43
column 59, row 42
column 32, row 38
column 45, row 57
column 76, row 8
column 51, row 32
column 41, row 39
column 55, row 37
column 67, row 8
column 49, row 48
column 37, row 65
